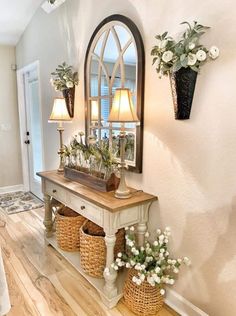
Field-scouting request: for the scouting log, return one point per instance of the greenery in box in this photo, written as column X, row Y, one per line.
column 95, row 158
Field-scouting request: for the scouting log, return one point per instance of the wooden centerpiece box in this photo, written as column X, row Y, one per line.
column 92, row 181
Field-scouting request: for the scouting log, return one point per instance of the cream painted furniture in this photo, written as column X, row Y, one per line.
column 4, row 295
column 106, row 211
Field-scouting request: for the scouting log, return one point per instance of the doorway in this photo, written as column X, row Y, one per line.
column 30, row 116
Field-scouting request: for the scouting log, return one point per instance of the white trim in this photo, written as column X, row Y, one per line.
column 13, row 188
column 181, row 305
column 22, row 119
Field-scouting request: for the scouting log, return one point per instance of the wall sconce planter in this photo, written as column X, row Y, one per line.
column 69, row 95
column 91, row 181
column 64, row 79
column 182, row 87
column 181, row 60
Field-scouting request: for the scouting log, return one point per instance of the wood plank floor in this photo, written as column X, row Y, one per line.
column 40, row 281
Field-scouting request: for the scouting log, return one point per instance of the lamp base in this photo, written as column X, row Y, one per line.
column 122, row 194
column 60, row 170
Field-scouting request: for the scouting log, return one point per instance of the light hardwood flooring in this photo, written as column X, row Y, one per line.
column 40, row 281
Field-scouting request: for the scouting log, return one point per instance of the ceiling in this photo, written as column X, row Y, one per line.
column 14, row 17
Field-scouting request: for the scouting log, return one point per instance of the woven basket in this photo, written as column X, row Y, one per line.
column 142, row 299
column 93, row 248
column 68, row 224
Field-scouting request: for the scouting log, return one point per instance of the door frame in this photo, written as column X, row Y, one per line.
column 22, row 119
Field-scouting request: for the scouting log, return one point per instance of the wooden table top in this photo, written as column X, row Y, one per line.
column 106, row 200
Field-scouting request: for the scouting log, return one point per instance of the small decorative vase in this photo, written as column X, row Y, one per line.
column 142, row 299
column 69, row 95
column 182, row 85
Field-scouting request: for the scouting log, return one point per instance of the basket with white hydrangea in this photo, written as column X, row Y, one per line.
column 181, row 61
column 64, row 79
column 150, row 268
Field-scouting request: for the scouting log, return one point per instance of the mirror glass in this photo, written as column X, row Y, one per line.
column 115, row 59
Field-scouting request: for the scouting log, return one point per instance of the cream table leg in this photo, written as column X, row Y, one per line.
column 142, row 225
column 48, row 223
column 110, row 288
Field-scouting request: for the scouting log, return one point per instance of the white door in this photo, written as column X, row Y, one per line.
column 31, row 128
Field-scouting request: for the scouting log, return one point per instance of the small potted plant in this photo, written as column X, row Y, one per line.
column 151, row 268
column 181, row 60
column 64, row 80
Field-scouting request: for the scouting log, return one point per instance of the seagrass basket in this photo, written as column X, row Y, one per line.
column 68, row 224
column 93, row 248
column 142, row 299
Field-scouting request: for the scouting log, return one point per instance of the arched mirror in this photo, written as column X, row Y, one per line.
column 115, row 59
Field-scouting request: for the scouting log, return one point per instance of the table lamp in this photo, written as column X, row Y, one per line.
column 59, row 115
column 122, row 111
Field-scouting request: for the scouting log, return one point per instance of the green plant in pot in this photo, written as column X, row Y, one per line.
column 181, row 60
column 64, row 79
column 151, row 269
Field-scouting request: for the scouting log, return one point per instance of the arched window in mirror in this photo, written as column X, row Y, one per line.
column 115, row 59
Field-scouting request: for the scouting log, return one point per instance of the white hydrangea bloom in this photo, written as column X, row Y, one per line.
column 214, row 52
column 131, row 228
column 142, row 277
column 167, row 56
column 192, row 59
column 157, row 269
column 201, row 55
column 119, row 255
column 162, row 292
column 176, row 270
column 147, row 234
column 186, row 261
column 161, row 237
column 127, row 265
column 155, row 243
column 158, row 231
column 191, row 46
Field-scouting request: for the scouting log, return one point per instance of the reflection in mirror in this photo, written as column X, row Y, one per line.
column 115, row 59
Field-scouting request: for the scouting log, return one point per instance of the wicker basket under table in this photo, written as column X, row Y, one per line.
column 93, row 248
column 68, row 224
column 142, row 299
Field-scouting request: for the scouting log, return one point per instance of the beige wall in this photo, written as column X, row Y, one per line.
column 189, row 164
column 10, row 157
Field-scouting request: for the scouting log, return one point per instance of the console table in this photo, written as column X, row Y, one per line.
column 106, row 211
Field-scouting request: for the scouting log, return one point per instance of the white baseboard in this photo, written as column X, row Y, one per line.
column 181, row 305
column 13, row 188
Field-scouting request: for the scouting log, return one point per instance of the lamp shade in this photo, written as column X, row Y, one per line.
column 59, row 111
column 122, row 107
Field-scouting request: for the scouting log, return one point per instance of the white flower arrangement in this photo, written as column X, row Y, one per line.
column 63, row 77
column 152, row 261
column 170, row 56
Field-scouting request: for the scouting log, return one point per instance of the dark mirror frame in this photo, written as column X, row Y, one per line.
column 140, row 83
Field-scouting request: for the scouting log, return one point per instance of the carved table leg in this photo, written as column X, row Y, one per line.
column 142, row 225
column 110, row 288
column 48, row 223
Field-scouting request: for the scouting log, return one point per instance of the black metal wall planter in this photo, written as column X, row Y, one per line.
column 69, row 95
column 182, row 86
